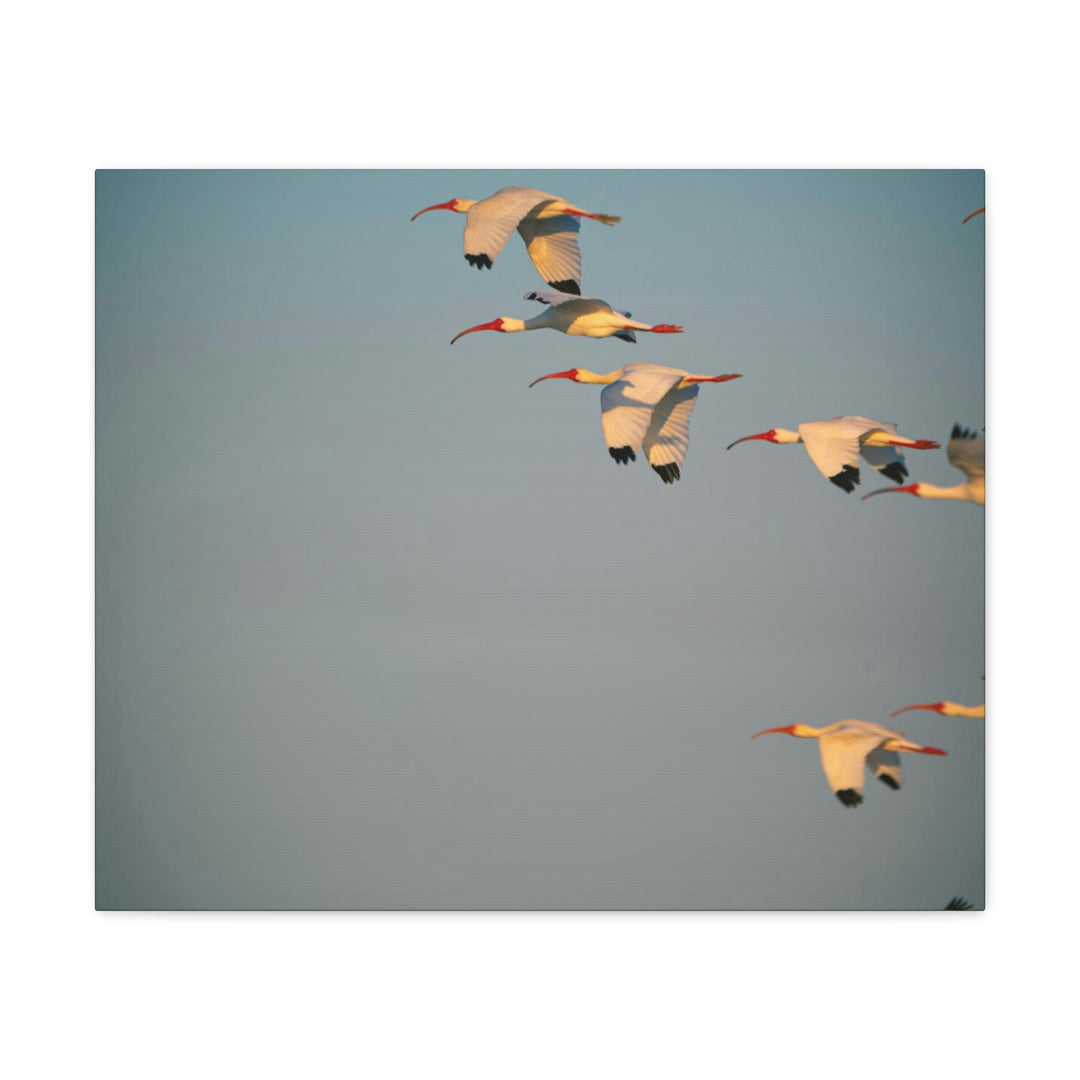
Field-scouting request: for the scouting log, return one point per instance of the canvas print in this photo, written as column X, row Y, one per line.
column 512, row 539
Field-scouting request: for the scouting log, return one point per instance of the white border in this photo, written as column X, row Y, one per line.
column 120, row 85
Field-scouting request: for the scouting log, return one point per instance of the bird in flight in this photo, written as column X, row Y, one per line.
column 646, row 406
column 850, row 747
column 836, row 445
column 967, row 452
column 578, row 316
column 548, row 225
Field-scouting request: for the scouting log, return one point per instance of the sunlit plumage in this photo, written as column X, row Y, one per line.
column 850, row 747
column 546, row 223
column 578, row 316
column 645, row 406
column 836, row 445
column 967, row 452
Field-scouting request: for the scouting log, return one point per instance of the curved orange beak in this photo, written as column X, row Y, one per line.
column 774, row 730
column 438, row 206
column 571, row 374
column 495, row 324
column 907, row 489
column 933, row 707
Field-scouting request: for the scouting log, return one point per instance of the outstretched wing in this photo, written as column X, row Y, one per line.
column 668, row 434
column 552, row 245
column 833, row 446
column 967, row 451
column 626, row 407
column 555, row 299
column 885, row 765
column 843, row 757
column 888, row 460
column 489, row 222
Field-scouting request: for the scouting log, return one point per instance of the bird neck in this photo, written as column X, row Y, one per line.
column 782, row 435
column 584, row 375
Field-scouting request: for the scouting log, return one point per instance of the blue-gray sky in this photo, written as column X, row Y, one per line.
column 379, row 626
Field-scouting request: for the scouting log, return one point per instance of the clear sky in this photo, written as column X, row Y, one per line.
column 377, row 626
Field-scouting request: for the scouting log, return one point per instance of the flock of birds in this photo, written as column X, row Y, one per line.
column 647, row 407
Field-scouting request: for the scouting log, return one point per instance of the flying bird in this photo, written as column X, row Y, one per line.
column 967, row 452
column 647, row 406
column 850, row 747
column 578, row 316
column 947, row 708
column 548, row 225
column 835, row 445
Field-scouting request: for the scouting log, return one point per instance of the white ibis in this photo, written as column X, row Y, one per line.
column 967, row 452
column 947, row 708
column 645, row 405
column 548, row 225
column 850, row 747
column 834, row 447
column 578, row 316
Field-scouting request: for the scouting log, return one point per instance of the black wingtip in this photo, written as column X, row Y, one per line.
column 958, row 903
column 568, row 286
column 481, row 262
column 895, row 472
column 888, row 781
column 668, row 473
column 849, row 797
column 846, row 479
column 622, row 454
column 959, row 432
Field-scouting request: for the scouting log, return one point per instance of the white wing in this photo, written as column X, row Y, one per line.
column 668, row 435
column 967, row 451
column 843, row 757
column 626, row 406
column 885, row 765
column 552, row 245
column 489, row 222
column 833, row 446
column 888, row 460
column 554, row 299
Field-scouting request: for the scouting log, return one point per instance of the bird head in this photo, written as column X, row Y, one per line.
column 573, row 373
column 800, row 731
column 459, row 206
column 502, row 325
column 583, row 375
